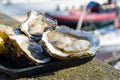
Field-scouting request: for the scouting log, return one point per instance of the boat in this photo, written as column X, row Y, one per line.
column 71, row 18
column 95, row 14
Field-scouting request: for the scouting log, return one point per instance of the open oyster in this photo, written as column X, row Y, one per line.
column 66, row 43
column 18, row 46
column 35, row 24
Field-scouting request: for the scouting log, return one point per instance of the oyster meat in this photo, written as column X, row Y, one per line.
column 66, row 43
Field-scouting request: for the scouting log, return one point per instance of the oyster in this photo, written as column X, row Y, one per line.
column 66, row 43
column 18, row 47
column 35, row 24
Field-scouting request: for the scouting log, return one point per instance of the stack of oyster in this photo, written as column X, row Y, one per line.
column 39, row 39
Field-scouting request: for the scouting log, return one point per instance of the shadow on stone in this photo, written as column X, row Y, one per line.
column 50, row 68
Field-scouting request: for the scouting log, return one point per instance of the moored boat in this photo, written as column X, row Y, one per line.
column 71, row 18
column 94, row 13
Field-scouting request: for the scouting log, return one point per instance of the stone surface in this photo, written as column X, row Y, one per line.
column 93, row 70
column 6, row 20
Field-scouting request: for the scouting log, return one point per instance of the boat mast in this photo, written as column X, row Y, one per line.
column 80, row 21
column 117, row 13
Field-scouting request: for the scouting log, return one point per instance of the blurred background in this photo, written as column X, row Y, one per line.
column 99, row 16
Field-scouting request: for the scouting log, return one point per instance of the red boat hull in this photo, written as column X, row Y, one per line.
column 71, row 18
column 87, row 18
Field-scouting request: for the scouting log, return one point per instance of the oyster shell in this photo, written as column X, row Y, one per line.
column 18, row 46
column 66, row 43
column 31, row 50
column 35, row 24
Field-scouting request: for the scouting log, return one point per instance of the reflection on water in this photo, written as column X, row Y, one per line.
column 110, row 45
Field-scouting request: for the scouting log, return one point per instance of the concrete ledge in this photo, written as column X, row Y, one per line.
column 93, row 70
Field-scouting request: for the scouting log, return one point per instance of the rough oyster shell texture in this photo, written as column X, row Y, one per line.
column 49, row 41
column 20, row 48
